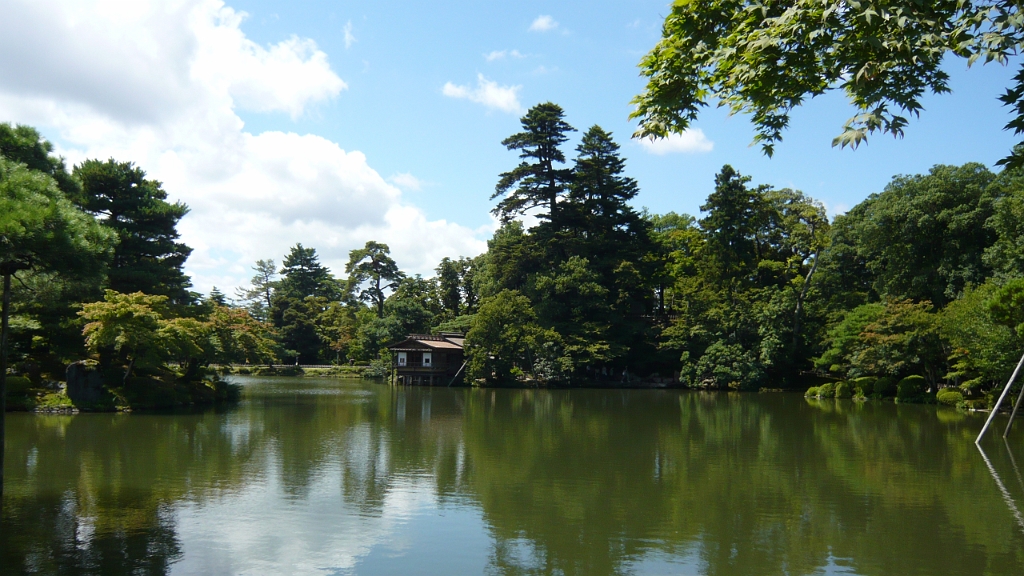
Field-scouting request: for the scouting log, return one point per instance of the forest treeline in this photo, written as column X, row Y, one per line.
column 761, row 289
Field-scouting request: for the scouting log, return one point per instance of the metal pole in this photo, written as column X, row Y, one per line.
column 1000, row 401
column 1002, row 488
column 1014, row 413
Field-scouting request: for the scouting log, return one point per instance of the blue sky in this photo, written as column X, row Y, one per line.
column 245, row 117
column 405, row 52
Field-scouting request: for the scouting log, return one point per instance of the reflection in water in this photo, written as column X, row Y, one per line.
column 335, row 477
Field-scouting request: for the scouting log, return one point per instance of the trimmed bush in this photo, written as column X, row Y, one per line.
column 18, row 385
column 863, row 386
column 811, row 392
column 827, row 390
column 949, row 396
column 910, row 388
column 885, row 387
column 843, row 390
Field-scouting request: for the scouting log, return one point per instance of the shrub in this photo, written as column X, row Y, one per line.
column 910, row 388
column 863, row 386
column 811, row 392
column 949, row 396
column 827, row 390
column 885, row 387
column 843, row 390
column 18, row 385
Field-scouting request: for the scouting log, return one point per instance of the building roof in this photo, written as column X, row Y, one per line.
column 445, row 341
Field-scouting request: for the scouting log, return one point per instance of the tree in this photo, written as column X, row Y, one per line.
column 765, row 59
column 536, row 182
column 39, row 230
column 498, row 347
column 983, row 351
column 303, row 275
column 148, row 257
column 924, row 237
column 240, row 337
column 128, row 323
column 217, row 297
column 260, row 293
column 735, row 215
column 372, row 264
column 448, row 284
column 24, row 144
column 1006, row 254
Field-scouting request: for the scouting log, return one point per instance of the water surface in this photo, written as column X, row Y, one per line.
column 351, row 477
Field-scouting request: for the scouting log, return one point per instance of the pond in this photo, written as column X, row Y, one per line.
column 309, row 476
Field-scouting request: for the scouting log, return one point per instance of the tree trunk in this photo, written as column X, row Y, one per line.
column 3, row 373
column 800, row 299
column 128, row 372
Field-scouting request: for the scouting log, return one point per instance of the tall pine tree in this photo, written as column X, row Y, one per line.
column 536, row 182
column 148, row 257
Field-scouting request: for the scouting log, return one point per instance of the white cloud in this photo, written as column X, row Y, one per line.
column 488, row 93
column 543, row 24
column 501, row 54
column 159, row 83
column 691, row 141
column 406, row 181
column 349, row 38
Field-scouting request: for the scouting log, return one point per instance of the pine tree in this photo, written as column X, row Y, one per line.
column 148, row 257
column 303, row 275
column 372, row 263
column 536, row 182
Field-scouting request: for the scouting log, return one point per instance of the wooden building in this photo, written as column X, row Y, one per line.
column 428, row 360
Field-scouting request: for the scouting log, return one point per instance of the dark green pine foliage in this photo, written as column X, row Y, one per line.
column 303, row 275
column 537, row 182
column 148, row 257
column 298, row 301
column 735, row 213
column 24, row 144
column 448, row 286
column 50, row 298
column 371, row 271
column 614, row 239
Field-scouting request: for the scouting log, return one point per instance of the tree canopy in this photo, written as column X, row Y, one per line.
column 766, row 58
column 148, row 257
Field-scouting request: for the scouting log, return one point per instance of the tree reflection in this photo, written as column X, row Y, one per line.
column 566, row 482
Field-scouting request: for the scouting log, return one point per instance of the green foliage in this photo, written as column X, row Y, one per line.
column 148, row 257
column 949, row 397
column 891, row 339
column 983, row 352
column 863, row 386
column 885, row 387
column 500, row 345
column 302, row 276
column 844, row 390
column 910, row 388
column 723, row 365
column 812, row 392
column 536, row 182
column 258, row 297
column 827, row 390
column 18, row 385
column 1006, row 254
column 372, row 271
column 41, row 229
column 1007, row 306
column 766, row 59
column 127, row 323
column 923, row 237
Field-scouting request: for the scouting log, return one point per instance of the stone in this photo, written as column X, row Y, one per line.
column 85, row 385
